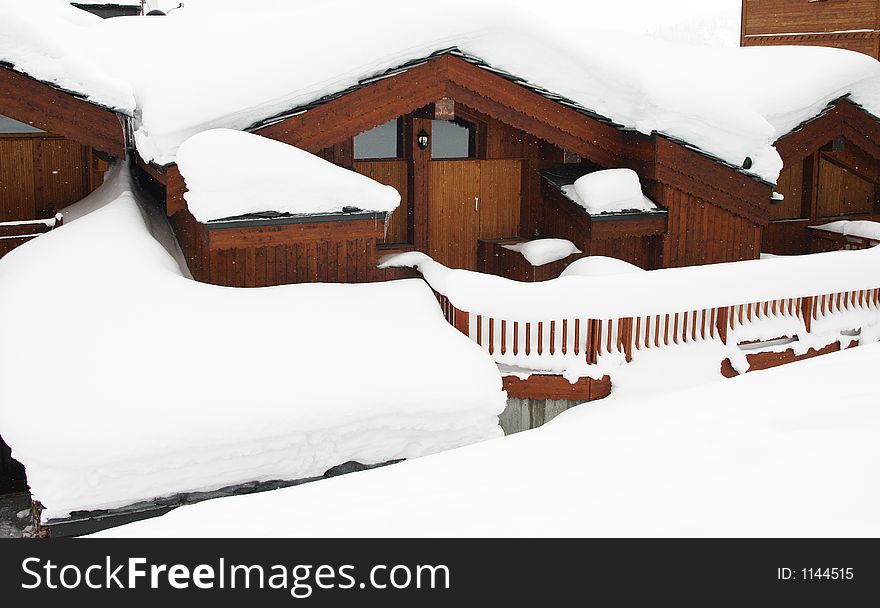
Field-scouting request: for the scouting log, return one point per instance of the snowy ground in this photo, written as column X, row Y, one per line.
column 791, row 451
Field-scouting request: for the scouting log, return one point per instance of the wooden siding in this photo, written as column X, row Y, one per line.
column 40, row 174
column 843, row 193
column 326, row 252
column 702, row 233
column 55, row 111
column 636, row 240
column 790, row 185
column 392, row 173
column 803, row 16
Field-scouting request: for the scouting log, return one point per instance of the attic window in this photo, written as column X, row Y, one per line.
column 451, row 139
column 381, row 142
column 9, row 125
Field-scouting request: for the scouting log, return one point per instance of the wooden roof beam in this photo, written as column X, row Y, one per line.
column 46, row 107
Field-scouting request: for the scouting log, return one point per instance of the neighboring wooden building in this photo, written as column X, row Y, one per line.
column 845, row 24
column 831, row 172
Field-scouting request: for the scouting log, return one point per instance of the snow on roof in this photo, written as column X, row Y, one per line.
column 57, row 43
column 609, row 191
column 237, row 385
column 700, row 461
column 231, row 173
column 233, row 69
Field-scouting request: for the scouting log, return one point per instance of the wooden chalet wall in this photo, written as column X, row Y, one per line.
column 326, row 252
column 847, row 24
column 831, row 171
column 41, row 173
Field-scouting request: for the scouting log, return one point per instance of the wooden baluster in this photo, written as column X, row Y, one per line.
column 540, row 337
column 628, row 338
column 577, row 336
column 638, row 332
column 516, row 337
column 528, row 338
column 712, row 323
column 491, row 335
column 609, row 336
column 480, row 330
column 565, row 336
column 807, row 312
column 552, row 337
column 461, row 321
column 721, row 323
column 503, row 337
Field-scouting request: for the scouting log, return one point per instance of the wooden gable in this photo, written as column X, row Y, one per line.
column 51, row 109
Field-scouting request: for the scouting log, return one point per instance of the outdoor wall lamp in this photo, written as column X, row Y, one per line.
column 423, row 140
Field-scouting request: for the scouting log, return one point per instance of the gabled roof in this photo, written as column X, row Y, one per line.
column 710, row 98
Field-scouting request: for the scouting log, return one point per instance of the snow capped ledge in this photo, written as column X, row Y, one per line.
column 230, row 174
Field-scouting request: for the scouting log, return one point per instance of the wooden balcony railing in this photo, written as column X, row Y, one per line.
column 507, row 339
column 16, row 233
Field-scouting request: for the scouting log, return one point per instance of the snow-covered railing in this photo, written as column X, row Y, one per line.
column 845, row 234
column 18, row 232
column 571, row 321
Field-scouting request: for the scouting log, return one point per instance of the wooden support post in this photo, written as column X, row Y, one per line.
column 418, row 167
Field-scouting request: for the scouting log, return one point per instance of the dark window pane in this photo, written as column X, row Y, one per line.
column 380, row 142
column 449, row 140
column 8, row 125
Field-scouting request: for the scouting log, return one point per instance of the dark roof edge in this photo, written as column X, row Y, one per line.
column 256, row 221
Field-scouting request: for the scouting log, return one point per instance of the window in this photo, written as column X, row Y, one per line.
column 381, row 142
column 451, row 139
column 9, row 125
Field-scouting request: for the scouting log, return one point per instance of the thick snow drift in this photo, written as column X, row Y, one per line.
column 233, row 69
column 544, row 251
column 230, row 173
column 145, row 383
column 769, row 454
column 609, row 191
column 599, row 266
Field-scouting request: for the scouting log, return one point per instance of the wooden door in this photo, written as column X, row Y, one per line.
column 453, row 226
column 500, row 198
